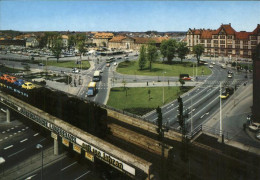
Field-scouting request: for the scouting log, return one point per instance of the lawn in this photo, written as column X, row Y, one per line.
column 66, row 64
column 137, row 100
column 131, row 67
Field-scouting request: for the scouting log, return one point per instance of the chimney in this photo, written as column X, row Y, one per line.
column 230, row 24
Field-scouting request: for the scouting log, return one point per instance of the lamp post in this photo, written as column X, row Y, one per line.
column 39, row 146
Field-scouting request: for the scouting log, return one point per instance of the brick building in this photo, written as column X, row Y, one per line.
column 134, row 43
column 101, row 39
column 225, row 41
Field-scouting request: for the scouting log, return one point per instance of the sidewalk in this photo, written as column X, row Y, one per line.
column 32, row 165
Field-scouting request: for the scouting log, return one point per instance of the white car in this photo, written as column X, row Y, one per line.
column 254, row 126
column 210, row 66
column 75, row 70
column 115, row 63
column 229, row 76
column 213, row 63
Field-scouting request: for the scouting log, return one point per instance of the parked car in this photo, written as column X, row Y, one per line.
column 258, row 134
column 41, row 64
column 229, row 75
column 24, row 63
column 115, row 63
column 28, row 85
column 210, row 66
column 186, row 78
column 108, row 65
column 4, row 77
column 11, row 79
column 254, row 126
column 19, row 82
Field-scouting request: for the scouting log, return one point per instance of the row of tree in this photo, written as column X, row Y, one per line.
column 169, row 50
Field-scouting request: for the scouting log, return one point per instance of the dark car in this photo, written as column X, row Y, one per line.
column 19, row 82
column 24, row 63
column 41, row 64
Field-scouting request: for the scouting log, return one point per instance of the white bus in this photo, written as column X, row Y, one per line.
column 96, row 76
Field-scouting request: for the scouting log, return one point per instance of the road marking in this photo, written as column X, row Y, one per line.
column 36, row 134
column 69, row 166
column 31, row 177
column 42, row 140
column 82, row 175
column 207, row 113
column 23, row 140
column 8, row 147
column 202, row 116
column 16, row 152
column 3, row 132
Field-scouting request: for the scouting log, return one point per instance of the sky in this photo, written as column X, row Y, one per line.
column 48, row 15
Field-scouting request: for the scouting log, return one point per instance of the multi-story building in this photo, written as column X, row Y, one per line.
column 134, row 43
column 101, row 39
column 224, row 41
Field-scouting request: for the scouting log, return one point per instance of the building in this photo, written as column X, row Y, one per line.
column 65, row 40
column 101, row 39
column 256, row 85
column 12, row 42
column 32, row 42
column 225, row 41
column 134, row 43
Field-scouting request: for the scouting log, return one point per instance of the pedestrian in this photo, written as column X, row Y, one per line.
column 147, row 83
column 153, row 82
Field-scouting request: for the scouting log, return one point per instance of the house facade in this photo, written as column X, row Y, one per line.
column 101, row 39
column 225, row 41
column 134, row 43
column 32, row 42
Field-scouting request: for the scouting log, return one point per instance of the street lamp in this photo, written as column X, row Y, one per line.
column 39, row 146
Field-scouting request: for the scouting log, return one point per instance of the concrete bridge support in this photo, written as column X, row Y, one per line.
column 56, row 147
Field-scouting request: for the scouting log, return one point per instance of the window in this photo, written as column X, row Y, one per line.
column 222, row 37
column 245, row 42
column 253, row 42
column 215, row 41
column 209, row 45
column 222, row 46
column 253, row 37
column 202, row 41
column 222, row 41
column 229, row 51
column 245, row 52
column 237, row 42
column 215, row 37
column 245, row 47
column 230, row 37
column 208, row 41
column 229, row 46
column 237, row 46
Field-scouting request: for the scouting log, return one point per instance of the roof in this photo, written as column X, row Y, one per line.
column 227, row 28
column 92, row 84
column 64, row 37
column 117, row 38
column 242, row 35
column 104, row 35
column 206, row 34
column 143, row 40
column 257, row 29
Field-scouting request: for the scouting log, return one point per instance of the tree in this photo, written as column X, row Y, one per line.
column 152, row 53
column 182, row 82
column 71, row 41
column 142, row 57
column 198, row 50
column 56, row 48
column 182, row 50
column 81, row 47
column 168, row 49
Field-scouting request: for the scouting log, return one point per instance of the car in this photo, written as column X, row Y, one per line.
column 28, row 85
column 230, row 72
column 75, row 70
column 213, row 63
column 119, row 57
column 254, row 126
column 11, row 79
column 186, row 78
column 108, row 65
column 229, row 76
column 210, row 66
column 41, row 64
column 126, row 55
column 24, row 63
column 19, row 82
column 115, row 63
column 126, row 58
column 4, row 77
column 258, row 134
column 136, row 55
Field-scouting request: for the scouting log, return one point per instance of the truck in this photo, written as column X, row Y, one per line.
column 227, row 92
column 96, row 76
column 91, row 89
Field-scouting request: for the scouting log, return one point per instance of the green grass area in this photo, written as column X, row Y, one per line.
column 66, row 64
column 7, row 70
column 137, row 100
column 131, row 67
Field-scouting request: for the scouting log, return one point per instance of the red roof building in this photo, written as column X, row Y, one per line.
column 225, row 41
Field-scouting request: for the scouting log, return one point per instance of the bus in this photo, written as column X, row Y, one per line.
column 96, row 76
column 91, row 89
